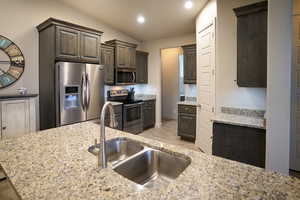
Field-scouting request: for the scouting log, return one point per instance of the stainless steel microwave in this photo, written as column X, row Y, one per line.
column 125, row 77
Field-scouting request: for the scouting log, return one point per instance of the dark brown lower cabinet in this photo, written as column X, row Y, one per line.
column 149, row 114
column 187, row 121
column 242, row 144
column 118, row 109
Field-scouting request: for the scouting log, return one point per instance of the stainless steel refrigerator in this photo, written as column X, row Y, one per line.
column 79, row 92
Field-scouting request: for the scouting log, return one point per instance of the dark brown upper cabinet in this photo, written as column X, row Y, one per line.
column 73, row 42
column 190, row 68
column 142, row 67
column 252, row 45
column 124, row 54
column 108, row 60
column 67, row 43
column 90, row 44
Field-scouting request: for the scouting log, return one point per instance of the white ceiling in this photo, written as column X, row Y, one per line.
column 164, row 18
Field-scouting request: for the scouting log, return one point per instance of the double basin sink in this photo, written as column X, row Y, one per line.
column 141, row 164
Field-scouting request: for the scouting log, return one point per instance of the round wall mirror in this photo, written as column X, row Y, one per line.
column 12, row 62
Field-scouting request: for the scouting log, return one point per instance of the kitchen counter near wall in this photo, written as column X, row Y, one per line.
column 192, row 101
column 145, row 97
column 241, row 117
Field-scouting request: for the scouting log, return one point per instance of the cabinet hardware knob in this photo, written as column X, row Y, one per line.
column 4, row 127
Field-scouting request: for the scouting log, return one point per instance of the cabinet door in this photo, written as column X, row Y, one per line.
column 89, row 47
column 131, row 55
column 190, row 72
column 121, row 60
column 239, row 143
column 187, row 125
column 15, row 118
column 107, row 59
column 149, row 114
column 141, row 67
column 67, row 43
column 252, row 45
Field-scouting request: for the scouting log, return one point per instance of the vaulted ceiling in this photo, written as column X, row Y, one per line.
column 164, row 18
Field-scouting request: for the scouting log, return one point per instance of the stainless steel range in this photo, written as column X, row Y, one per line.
column 132, row 110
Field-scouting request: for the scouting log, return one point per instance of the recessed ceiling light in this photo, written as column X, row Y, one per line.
column 188, row 4
column 141, row 19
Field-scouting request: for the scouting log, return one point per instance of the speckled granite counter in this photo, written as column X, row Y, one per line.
column 145, row 97
column 190, row 103
column 114, row 103
column 55, row 164
column 240, row 120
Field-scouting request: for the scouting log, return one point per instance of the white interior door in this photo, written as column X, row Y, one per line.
column 15, row 118
column 205, row 87
column 295, row 134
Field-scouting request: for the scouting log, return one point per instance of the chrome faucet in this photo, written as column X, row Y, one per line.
column 102, row 159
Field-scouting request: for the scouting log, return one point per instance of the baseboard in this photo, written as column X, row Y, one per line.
column 158, row 125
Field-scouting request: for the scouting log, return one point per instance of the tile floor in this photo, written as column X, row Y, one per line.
column 168, row 133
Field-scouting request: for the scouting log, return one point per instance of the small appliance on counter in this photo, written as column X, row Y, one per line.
column 132, row 109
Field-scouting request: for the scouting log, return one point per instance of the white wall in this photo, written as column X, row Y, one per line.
column 208, row 13
column 279, row 85
column 154, row 65
column 170, row 82
column 228, row 93
column 18, row 21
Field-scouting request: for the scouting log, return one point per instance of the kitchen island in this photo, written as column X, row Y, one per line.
column 55, row 164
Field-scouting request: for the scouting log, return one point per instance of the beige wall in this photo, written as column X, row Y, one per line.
column 18, row 21
column 228, row 93
column 154, row 66
column 170, row 82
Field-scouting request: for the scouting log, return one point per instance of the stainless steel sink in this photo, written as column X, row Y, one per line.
column 118, row 149
column 152, row 168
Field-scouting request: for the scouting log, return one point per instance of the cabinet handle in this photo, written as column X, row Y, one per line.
column 4, row 127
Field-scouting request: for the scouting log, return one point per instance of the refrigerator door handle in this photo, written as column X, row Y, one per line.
column 83, row 91
column 133, row 77
column 88, row 92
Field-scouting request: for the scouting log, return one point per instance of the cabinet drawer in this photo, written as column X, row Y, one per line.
column 187, row 109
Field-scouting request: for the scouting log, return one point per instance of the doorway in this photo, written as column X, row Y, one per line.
column 170, row 82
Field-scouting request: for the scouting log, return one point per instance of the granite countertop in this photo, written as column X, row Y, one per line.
column 145, row 97
column 240, row 120
column 115, row 103
column 16, row 96
column 55, row 164
column 190, row 103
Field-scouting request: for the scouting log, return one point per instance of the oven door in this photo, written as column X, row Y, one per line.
column 132, row 118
